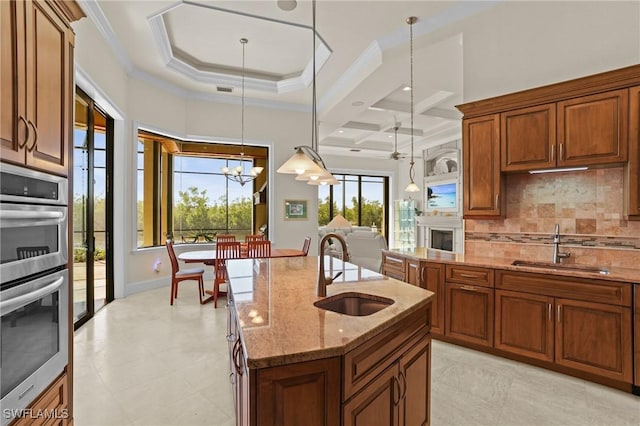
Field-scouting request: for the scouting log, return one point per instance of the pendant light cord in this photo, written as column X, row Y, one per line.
column 244, row 43
column 411, row 20
column 314, row 117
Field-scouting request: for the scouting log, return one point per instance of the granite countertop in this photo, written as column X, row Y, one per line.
column 615, row 274
column 279, row 323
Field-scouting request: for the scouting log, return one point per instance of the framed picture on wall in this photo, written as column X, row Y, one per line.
column 295, row 209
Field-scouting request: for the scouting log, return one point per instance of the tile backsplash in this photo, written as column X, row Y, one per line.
column 588, row 205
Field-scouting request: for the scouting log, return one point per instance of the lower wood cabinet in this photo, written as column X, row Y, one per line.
column 469, row 313
column 433, row 280
column 394, row 266
column 51, row 407
column 636, row 315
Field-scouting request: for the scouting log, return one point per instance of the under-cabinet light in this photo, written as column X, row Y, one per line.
column 567, row 169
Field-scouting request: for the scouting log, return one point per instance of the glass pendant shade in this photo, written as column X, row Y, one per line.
column 299, row 163
column 412, row 187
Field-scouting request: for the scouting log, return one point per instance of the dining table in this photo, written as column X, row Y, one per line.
column 208, row 257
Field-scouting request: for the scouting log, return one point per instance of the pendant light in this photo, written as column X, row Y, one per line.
column 412, row 187
column 306, row 163
column 237, row 173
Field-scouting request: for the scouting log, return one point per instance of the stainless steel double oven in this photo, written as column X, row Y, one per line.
column 34, row 285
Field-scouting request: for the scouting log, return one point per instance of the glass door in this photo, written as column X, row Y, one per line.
column 92, row 222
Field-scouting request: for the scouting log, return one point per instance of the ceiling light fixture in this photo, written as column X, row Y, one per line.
column 287, row 4
column 237, row 174
column 306, row 163
column 412, row 187
column 395, row 155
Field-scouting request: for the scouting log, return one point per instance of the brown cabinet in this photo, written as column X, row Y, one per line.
column 528, row 138
column 636, row 315
column 524, row 324
column 593, row 129
column 481, row 174
column 469, row 313
column 51, row 407
column 37, row 46
column 378, row 405
column 632, row 171
column 433, row 280
column 394, row 266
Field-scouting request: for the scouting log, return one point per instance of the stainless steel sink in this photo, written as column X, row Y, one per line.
column 354, row 304
column 550, row 265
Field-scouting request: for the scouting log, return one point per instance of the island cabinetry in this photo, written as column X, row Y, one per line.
column 593, row 129
column 469, row 300
column 387, row 378
column 394, row 266
column 590, row 319
column 37, row 48
column 632, row 170
column 481, row 173
column 636, row 316
column 528, row 138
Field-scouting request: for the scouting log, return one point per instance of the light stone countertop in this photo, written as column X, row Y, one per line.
column 615, row 274
column 279, row 323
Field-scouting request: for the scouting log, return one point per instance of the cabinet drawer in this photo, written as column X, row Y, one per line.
column 470, row 275
column 588, row 290
column 394, row 267
column 368, row 360
column 50, row 408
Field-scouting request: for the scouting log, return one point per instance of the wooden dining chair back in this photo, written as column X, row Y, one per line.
column 259, row 249
column 224, row 251
column 177, row 275
column 305, row 245
column 255, row 237
column 225, row 238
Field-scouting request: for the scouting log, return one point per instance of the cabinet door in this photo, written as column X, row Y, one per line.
column 414, row 272
column 632, row 178
column 528, row 138
column 13, row 124
column 524, row 324
column 49, row 87
column 469, row 313
column 593, row 129
column 595, row 338
column 305, row 393
column 636, row 315
column 433, row 280
column 415, row 368
column 377, row 404
column 481, row 172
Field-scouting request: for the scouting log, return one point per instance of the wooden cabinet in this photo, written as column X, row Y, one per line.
column 414, row 272
column 415, row 399
column 636, row 315
column 378, row 405
column 632, row 170
column 592, row 328
column 433, row 280
column 524, row 324
column 595, row 338
column 51, row 407
column 394, row 266
column 482, row 188
column 528, row 138
column 593, row 129
column 469, row 313
column 37, row 48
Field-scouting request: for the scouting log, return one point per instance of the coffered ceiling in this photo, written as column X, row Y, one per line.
column 362, row 55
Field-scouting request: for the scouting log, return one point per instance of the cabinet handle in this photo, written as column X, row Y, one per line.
column 553, row 153
column 27, row 136
column 497, row 200
column 469, row 276
column 232, row 378
column 422, row 282
column 396, row 382
column 35, row 138
column 469, row 287
column 559, row 311
column 236, row 354
column 550, row 308
column 561, row 153
column 404, row 385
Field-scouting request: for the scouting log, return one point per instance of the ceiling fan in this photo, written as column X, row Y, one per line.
column 395, row 155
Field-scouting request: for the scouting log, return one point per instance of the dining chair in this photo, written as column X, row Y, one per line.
column 225, row 238
column 258, row 249
column 224, row 251
column 255, row 237
column 306, row 245
column 177, row 275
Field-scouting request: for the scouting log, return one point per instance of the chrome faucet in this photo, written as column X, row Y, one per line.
column 323, row 280
column 557, row 254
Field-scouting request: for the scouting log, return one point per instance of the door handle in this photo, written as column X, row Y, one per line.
column 549, row 314
column 27, row 136
column 559, row 312
column 396, row 382
column 35, row 137
column 469, row 287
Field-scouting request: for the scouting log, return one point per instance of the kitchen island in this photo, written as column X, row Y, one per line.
column 294, row 363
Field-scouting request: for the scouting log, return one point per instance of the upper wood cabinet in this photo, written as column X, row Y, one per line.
column 481, row 173
column 528, row 138
column 37, row 46
column 632, row 172
column 593, row 129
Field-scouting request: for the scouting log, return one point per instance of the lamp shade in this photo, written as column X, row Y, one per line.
column 339, row 221
column 412, row 187
column 298, row 163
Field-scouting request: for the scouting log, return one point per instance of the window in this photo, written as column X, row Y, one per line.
column 362, row 200
column 182, row 191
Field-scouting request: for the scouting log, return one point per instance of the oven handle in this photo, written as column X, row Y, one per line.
column 7, row 306
column 21, row 215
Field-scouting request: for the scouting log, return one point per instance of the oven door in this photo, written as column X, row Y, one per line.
column 33, row 239
column 34, row 339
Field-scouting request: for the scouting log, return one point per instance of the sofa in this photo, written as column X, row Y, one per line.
column 364, row 246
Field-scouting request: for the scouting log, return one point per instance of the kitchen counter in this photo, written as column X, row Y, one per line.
column 420, row 253
column 279, row 323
